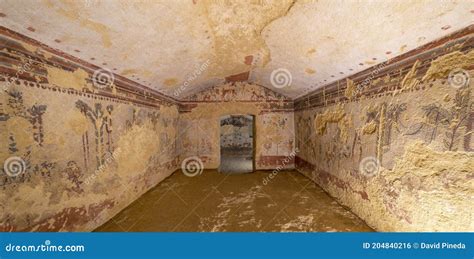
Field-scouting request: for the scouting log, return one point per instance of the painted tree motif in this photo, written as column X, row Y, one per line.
column 102, row 122
column 36, row 119
column 459, row 118
column 434, row 116
column 34, row 114
column 452, row 120
column 384, row 119
column 393, row 121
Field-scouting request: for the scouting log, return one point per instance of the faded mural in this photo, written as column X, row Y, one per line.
column 397, row 150
column 74, row 158
column 401, row 157
column 199, row 129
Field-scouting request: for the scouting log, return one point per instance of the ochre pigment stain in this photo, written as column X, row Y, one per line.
column 418, row 138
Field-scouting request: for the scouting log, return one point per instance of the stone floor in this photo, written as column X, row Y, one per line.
column 236, row 164
column 236, row 202
column 236, row 160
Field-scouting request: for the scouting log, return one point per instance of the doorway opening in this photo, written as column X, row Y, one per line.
column 237, row 144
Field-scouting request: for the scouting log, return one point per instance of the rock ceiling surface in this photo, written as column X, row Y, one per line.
column 166, row 45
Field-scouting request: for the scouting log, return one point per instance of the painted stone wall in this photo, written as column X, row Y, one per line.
column 199, row 129
column 395, row 143
column 75, row 153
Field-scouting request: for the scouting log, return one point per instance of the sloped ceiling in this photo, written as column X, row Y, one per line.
column 180, row 47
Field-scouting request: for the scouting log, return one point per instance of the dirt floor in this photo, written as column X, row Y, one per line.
column 251, row 202
column 236, row 160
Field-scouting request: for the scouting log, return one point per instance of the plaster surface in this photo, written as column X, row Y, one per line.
column 167, row 44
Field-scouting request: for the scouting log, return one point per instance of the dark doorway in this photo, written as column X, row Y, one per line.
column 237, row 144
